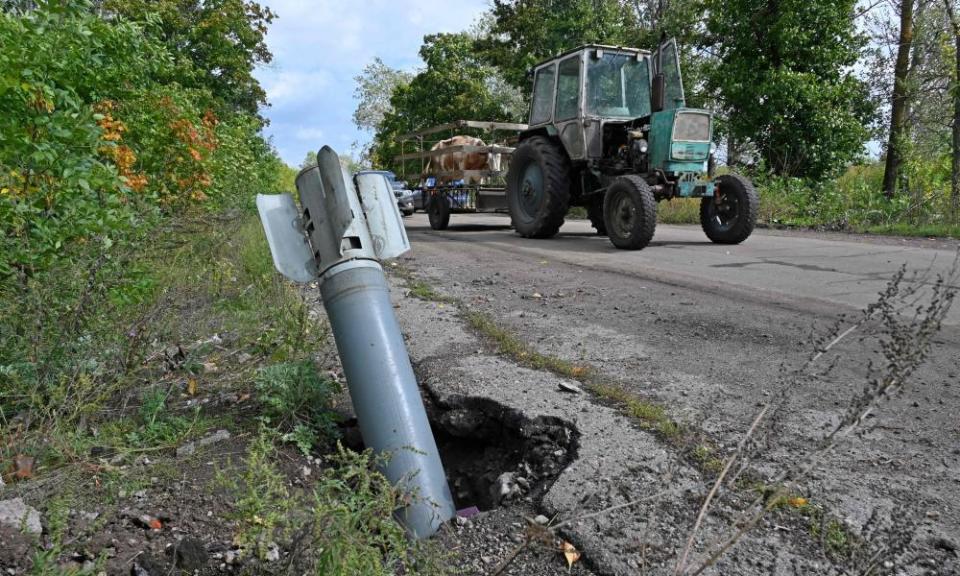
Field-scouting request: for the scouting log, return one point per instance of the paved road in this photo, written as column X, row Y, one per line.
column 828, row 272
column 707, row 330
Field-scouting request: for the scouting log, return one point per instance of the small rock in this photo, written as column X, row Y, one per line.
column 933, row 515
column 191, row 447
column 231, row 556
column 189, row 554
column 16, row 514
column 244, row 357
column 541, row 520
column 569, row 387
column 505, row 488
column 536, row 295
column 306, row 471
column 461, row 521
column 273, row 553
column 146, row 565
column 88, row 516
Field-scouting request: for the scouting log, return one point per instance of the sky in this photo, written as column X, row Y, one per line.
column 319, row 46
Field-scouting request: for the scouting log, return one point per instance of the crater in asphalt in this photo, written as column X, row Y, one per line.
column 494, row 455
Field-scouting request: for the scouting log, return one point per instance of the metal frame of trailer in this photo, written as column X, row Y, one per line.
column 441, row 200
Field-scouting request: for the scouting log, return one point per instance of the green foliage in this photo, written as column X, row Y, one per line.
column 525, row 32
column 57, row 185
column 262, row 502
column 217, row 43
column 158, row 426
column 375, row 87
column 453, row 86
column 345, row 525
column 784, row 81
column 98, row 135
column 354, row 529
column 297, row 399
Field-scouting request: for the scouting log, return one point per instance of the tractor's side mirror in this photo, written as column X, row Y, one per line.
column 658, row 93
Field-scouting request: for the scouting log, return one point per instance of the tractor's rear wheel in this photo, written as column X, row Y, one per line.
column 594, row 207
column 438, row 210
column 630, row 213
column 538, row 188
column 729, row 217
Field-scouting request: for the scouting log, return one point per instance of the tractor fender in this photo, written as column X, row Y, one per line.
column 548, row 131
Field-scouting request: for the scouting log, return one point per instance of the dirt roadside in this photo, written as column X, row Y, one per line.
column 709, row 363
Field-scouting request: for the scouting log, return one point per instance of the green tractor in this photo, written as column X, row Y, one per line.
column 609, row 131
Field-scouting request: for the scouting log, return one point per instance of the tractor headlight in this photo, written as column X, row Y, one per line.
column 641, row 146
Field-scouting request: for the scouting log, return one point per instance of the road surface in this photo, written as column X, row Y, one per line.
column 708, row 332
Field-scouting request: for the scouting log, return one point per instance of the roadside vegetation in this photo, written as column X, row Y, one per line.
column 144, row 335
column 809, row 97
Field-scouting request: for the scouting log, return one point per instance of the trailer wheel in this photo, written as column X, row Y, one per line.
column 595, row 214
column 438, row 210
column 729, row 218
column 538, row 188
column 630, row 213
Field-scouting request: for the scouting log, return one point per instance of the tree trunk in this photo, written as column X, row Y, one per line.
column 898, row 105
column 955, row 180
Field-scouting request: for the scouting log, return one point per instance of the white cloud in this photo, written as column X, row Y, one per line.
column 309, row 133
column 319, row 46
column 286, row 87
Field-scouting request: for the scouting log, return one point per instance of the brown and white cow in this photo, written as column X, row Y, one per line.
column 460, row 161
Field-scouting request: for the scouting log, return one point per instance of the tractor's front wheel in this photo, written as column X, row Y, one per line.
column 729, row 217
column 438, row 210
column 538, row 188
column 630, row 213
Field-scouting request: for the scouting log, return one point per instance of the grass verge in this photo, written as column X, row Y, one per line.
column 649, row 415
column 108, row 367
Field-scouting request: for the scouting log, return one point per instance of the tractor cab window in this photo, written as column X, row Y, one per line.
column 543, row 95
column 618, row 85
column 568, row 89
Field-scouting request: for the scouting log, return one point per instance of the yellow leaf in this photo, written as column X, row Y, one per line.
column 798, row 502
column 570, row 552
column 192, row 386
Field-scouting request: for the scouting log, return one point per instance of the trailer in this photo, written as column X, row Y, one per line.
column 458, row 191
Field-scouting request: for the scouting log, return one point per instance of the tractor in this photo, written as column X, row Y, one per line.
column 610, row 131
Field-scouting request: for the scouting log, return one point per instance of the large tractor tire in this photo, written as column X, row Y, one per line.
column 438, row 211
column 729, row 217
column 595, row 214
column 538, row 188
column 630, row 213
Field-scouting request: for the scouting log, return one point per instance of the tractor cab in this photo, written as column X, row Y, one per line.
column 609, row 114
column 620, row 110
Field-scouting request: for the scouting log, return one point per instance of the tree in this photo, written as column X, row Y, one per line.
column 955, row 90
column 309, row 160
column 222, row 41
column 454, row 85
column 784, row 81
column 521, row 33
column 525, row 32
column 898, row 105
column 375, row 86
